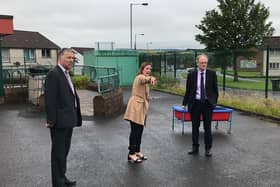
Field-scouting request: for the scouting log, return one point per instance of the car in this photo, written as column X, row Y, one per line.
column 190, row 69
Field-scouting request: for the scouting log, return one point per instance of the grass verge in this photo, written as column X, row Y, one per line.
column 248, row 103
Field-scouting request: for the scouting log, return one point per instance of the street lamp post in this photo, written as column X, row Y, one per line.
column 135, row 40
column 131, row 4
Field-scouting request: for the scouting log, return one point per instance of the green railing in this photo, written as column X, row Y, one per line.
column 107, row 78
column 28, row 78
column 17, row 76
column 14, row 77
column 108, row 83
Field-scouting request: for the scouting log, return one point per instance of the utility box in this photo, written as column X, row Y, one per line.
column 125, row 61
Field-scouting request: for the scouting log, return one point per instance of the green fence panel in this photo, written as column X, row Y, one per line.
column 125, row 61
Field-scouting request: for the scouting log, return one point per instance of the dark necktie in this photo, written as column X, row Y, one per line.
column 202, row 89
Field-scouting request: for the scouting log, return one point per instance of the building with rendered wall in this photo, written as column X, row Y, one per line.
column 28, row 48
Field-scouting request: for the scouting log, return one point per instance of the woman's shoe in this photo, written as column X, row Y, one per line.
column 133, row 158
column 141, row 156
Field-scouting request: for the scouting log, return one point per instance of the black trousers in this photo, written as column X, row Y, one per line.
column 205, row 109
column 61, row 141
column 135, row 137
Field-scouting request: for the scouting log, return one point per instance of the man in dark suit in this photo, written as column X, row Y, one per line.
column 201, row 97
column 63, row 114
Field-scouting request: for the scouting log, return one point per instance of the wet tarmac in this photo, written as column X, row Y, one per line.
column 98, row 156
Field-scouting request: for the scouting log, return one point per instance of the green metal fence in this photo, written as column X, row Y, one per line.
column 28, row 79
column 107, row 78
column 14, row 77
column 32, row 78
column 231, row 66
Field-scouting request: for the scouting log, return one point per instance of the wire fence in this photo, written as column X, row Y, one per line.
column 250, row 70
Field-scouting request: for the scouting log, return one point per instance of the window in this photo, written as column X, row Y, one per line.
column 274, row 52
column 46, row 53
column 29, row 56
column 248, row 63
column 5, row 56
column 274, row 65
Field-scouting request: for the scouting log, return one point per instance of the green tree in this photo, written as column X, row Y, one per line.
column 237, row 25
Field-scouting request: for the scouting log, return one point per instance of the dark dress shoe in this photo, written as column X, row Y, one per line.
column 70, row 183
column 194, row 151
column 208, row 153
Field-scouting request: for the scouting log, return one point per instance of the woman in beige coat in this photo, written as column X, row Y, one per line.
column 137, row 109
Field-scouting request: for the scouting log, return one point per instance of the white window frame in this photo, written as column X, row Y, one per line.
column 46, row 53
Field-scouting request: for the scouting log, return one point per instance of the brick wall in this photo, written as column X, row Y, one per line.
column 16, row 95
column 108, row 104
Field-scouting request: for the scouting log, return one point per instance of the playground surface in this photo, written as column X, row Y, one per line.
column 249, row 156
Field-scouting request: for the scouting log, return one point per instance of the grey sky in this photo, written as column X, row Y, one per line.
column 165, row 23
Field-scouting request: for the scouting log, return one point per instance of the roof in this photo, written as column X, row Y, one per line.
column 81, row 50
column 6, row 17
column 28, row 39
column 273, row 42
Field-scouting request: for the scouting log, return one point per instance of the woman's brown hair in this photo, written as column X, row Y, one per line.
column 143, row 65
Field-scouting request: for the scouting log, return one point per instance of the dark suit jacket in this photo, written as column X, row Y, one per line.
column 211, row 88
column 60, row 101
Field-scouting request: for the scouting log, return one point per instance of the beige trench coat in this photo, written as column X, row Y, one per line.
column 138, row 103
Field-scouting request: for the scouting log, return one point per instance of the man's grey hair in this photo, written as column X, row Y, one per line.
column 63, row 50
column 201, row 55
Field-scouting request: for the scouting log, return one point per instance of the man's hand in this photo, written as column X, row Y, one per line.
column 183, row 106
column 48, row 125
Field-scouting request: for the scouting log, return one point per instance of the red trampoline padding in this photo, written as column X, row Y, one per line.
column 219, row 114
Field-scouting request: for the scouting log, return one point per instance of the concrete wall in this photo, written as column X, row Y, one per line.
column 16, row 55
column 35, row 88
column 44, row 60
